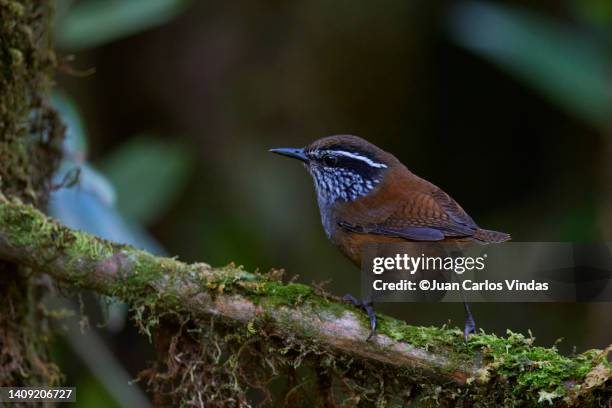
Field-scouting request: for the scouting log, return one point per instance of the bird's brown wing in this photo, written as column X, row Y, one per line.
column 422, row 216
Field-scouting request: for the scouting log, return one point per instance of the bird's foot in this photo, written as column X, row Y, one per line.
column 470, row 327
column 369, row 309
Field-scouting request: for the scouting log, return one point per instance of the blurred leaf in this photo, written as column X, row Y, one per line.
column 597, row 12
column 79, row 208
column 75, row 141
column 148, row 175
column 565, row 66
column 581, row 224
column 95, row 22
column 87, row 199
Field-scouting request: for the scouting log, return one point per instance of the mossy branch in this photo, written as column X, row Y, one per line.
column 432, row 362
column 31, row 135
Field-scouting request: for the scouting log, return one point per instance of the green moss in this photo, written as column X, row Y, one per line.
column 30, row 149
column 534, row 371
column 291, row 294
column 27, row 227
column 428, row 338
column 30, row 228
column 530, row 371
column 31, row 133
column 257, row 287
column 14, row 7
column 509, row 369
column 136, row 283
column 16, row 57
column 82, row 246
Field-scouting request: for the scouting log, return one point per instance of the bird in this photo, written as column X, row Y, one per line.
column 367, row 196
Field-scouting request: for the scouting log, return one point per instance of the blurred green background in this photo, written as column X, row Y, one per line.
column 172, row 105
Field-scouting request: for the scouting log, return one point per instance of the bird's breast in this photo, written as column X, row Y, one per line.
column 328, row 219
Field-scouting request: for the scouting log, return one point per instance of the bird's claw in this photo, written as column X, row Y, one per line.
column 369, row 309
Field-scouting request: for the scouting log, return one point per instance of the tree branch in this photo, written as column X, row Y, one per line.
column 422, row 356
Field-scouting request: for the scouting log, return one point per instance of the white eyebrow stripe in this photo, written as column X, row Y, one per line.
column 355, row 156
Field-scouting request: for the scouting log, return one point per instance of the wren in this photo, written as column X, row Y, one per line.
column 366, row 195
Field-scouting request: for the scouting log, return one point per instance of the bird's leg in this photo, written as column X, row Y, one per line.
column 470, row 324
column 369, row 309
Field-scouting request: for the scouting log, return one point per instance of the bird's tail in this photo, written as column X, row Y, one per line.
column 490, row 237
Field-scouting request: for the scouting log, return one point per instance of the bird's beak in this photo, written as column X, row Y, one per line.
column 289, row 152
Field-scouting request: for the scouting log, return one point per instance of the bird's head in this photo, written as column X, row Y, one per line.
column 343, row 167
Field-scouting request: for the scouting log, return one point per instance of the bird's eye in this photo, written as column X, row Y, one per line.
column 330, row 160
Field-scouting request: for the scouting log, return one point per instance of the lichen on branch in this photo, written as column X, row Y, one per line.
column 282, row 327
column 30, row 148
column 31, row 132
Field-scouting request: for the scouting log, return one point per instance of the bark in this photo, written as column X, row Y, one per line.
column 224, row 331
column 30, row 139
column 433, row 361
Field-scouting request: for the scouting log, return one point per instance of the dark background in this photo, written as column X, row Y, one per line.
column 504, row 105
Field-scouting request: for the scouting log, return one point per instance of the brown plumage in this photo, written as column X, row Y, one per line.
column 367, row 196
column 401, row 207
